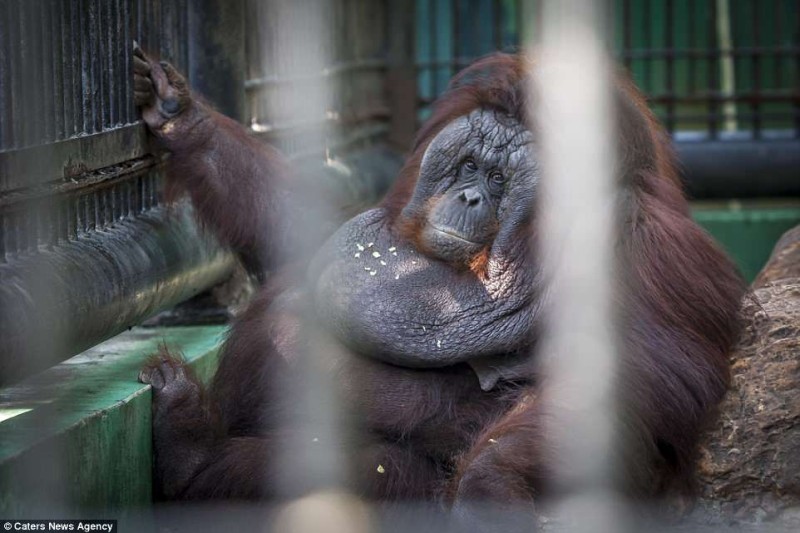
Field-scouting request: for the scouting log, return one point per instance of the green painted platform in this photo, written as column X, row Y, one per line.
column 78, row 436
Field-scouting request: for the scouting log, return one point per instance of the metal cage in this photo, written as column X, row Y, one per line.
column 722, row 76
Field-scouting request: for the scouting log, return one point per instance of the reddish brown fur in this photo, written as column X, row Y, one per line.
column 479, row 263
column 435, row 430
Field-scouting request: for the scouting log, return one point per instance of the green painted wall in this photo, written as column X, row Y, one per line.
column 77, row 438
column 748, row 231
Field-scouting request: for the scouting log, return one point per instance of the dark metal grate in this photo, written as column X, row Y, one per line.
column 704, row 69
column 73, row 155
column 722, row 76
column 71, row 211
column 451, row 34
column 86, row 247
column 722, row 69
column 66, row 64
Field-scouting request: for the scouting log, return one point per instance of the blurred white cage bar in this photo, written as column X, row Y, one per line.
column 576, row 149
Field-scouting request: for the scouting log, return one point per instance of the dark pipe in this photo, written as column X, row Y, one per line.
column 56, row 303
column 741, row 169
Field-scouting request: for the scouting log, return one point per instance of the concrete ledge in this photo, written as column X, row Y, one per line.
column 77, row 437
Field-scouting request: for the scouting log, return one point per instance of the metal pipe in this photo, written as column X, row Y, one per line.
column 740, row 168
column 88, row 289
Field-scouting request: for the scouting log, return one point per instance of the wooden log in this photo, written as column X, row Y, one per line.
column 749, row 467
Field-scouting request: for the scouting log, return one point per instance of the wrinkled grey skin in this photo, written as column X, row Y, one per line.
column 383, row 298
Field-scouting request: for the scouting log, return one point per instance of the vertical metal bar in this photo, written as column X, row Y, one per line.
column 90, row 205
column 112, row 205
column 777, row 23
column 115, row 204
column 101, row 206
column 56, row 32
column 145, row 20
column 23, row 243
column 141, row 185
column 133, row 197
column 136, row 22
column 81, row 213
column 75, row 81
column 755, row 101
column 152, row 190
column 149, row 191
column 129, row 210
column 20, row 90
column 57, row 229
column 29, row 226
column 670, row 64
column 714, row 59
column 21, row 230
column 3, row 232
column 155, row 189
column 184, row 9
column 85, row 60
column 692, row 62
column 43, row 56
column 13, row 74
column 62, row 225
column 146, row 192
column 153, row 22
column 126, row 27
column 32, row 67
column 31, row 210
column 16, row 86
column 5, row 86
column 42, row 227
column 110, row 59
column 728, row 64
column 12, row 232
column 72, row 217
column 46, row 63
column 65, row 77
column 82, row 223
column 48, row 224
column 98, row 93
column 104, row 206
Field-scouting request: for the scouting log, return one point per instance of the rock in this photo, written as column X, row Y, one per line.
column 784, row 263
column 749, row 468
